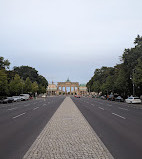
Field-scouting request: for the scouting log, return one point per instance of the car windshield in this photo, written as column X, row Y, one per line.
column 136, row 98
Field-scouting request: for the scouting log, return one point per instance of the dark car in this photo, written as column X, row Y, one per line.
column 10, row 99
column 119, row 99
column 4, row 100
column 7, row 100
column 110, row 97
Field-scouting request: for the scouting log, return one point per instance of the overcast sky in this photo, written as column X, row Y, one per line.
column 68, row 38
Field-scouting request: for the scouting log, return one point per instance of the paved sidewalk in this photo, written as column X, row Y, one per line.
column 68, row 136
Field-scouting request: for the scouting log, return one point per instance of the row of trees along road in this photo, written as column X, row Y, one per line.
column 124, row 78
column 23, row 79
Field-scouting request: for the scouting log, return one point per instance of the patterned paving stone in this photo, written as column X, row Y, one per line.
column 68, row 136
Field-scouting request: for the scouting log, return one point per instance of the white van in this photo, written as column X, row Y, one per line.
column 24, row 96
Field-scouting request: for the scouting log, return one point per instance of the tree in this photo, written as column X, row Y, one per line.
column 3, row 83
column 28, row 86
column 16, row 85
column 96, row 87
column 31, row 73
column 4, row 64
column 34, row 87
column 41, row 89
column 137, row 77
column 108, row 86
column 42, row 80
column 122, row 80
column 26, row 71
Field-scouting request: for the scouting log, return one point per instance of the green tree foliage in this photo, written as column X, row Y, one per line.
column 16, row 85
column 138, row 73
column 41, row 89
column 26, row 71
column 28, row 86
column 42, row 80
column 31, row 73
column 120, row 78
column 3, row 83
column 4, row 64
column 23, row 79
column 34, row 87
column 102, row 81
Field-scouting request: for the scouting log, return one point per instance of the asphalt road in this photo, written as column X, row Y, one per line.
column 118, row 125
column 21, row 123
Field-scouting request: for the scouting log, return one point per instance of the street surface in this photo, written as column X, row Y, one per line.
column 21, row 123
column 118, row 125
column 68, row 135
column 63, row 129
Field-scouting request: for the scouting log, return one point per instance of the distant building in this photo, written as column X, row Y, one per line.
column 51, row 89
column 61, row 88
column 83, row 89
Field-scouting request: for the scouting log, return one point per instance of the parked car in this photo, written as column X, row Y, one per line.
column 110, row 97
column 25, row 96
column 10, row 99
column 77, row 96
column 4, row 100
column 16, row 98
column 119, row 99
column 43, row 96
column 133, row 100
column 103, row 97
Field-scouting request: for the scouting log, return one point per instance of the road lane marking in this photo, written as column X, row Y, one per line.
column 12, row 108
column 18, row 115
column 123, row 108
column 101, row 108
column 119, row 116
column 35, row 108
column 44, row 104
column 109, row 105
column 92, row 104
column 26, row 105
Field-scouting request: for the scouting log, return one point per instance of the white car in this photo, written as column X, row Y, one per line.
column 43, row 96
column 16, row 98
column 24, row 96
column 133, row 100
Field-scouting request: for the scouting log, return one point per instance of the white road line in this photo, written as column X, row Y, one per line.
column 12, row 108
column 109, row 105
column 92, row 104
column 100, row 103
column 123, row 108
column 26, row 105
column 35, row 108
column 119, row 116
column 101, row 108
column 18, row 115
column 44, row 104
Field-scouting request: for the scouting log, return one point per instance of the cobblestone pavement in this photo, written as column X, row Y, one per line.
column 68, row 136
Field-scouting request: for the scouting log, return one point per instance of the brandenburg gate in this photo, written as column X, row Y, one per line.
column 67, row 88
column 74, row 85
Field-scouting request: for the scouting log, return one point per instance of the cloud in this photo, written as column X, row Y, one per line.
column 68, row 38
